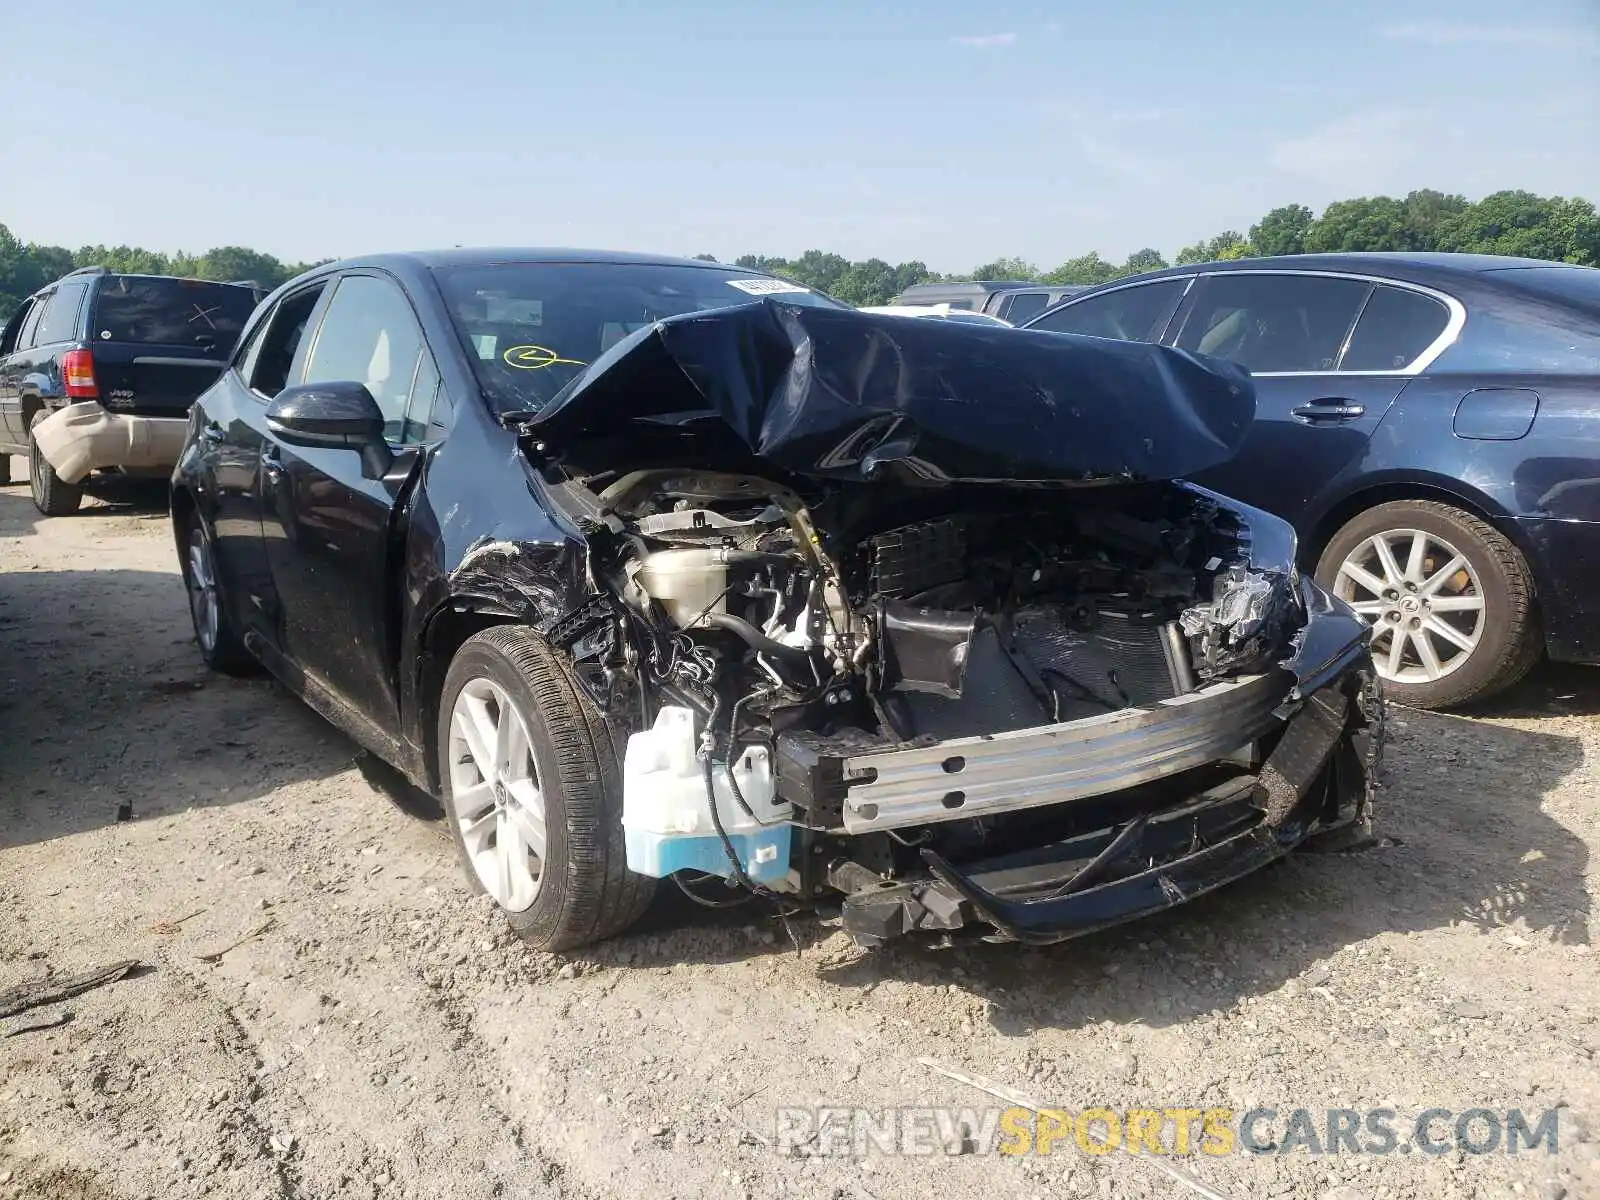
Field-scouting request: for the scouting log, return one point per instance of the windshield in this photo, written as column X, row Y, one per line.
column 160, row 311
column 531, row 328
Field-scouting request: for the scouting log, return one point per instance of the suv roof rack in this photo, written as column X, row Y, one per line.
column 88, row 271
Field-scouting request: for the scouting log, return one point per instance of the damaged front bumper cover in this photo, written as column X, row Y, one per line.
column 1318, row 776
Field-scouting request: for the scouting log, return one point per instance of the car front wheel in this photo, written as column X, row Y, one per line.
column 1450, row 601
column 532, row 792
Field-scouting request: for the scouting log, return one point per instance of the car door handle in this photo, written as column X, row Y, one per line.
column 1332, row 410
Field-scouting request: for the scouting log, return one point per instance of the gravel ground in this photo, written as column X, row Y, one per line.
column 383, row 1037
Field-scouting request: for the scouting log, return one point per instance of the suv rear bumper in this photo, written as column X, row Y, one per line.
column 84, row 437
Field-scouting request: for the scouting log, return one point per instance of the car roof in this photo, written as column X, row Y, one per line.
column 151, row 275
column 1046, row 287
column 102, row 273
column 1389, row 264
column 483, row 256
column 1437, row 261
column 931, row 310
column 966, row 287
column 1418, row 267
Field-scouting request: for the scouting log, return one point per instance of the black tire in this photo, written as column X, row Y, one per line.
column 586, row 892
column 5, row 467
column 1510, row 642
column 50, row 496
column 225, row 650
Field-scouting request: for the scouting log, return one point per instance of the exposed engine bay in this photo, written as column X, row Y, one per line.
column 955, row 624
column 894, row 683
column 932, row 624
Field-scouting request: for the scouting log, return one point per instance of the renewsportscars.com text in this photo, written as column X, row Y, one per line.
column 856, row 1132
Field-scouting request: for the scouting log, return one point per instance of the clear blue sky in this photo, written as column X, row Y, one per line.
column 944, row 130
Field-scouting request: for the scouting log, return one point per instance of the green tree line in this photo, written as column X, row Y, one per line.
column 1557, row 228
column 1512, row 222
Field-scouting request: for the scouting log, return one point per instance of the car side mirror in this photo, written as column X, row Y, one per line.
column 340, row 414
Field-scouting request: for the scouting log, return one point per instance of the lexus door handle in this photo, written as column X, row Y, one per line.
column 1331, row 411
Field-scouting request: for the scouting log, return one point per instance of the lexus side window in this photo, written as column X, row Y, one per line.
column 1395, row 328
column 1274, row 323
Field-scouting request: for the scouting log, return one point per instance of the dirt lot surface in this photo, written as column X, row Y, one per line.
column 383, row 1037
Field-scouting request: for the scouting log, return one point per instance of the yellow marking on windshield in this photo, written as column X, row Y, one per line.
column 533, row 358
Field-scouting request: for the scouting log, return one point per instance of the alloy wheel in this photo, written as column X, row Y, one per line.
column 202, row 581
column 1423, row 599
column 36, row 469
column 495, row 795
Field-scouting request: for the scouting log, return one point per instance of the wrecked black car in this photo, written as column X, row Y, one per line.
column 651, row 568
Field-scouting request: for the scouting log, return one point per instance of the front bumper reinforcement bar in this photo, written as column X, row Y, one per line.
column 1152, row 862
column 962, row 778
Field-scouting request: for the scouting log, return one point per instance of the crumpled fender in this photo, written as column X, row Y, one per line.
column 535, row 582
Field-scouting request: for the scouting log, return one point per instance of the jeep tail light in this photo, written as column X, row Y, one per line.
column 77, row 372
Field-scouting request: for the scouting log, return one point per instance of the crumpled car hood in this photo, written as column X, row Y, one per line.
column 835, row 394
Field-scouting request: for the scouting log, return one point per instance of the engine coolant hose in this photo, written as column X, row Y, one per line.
column 755, row 639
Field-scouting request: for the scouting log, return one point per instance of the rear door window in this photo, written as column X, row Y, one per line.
column 268, row 364
column 248, row 352
column 1131, row 314
column 30, row 324
column 1395, row 328
column 1024, row 306
column 1272, row 324
column 60, row 320
column 12, row 335
column 158, row 311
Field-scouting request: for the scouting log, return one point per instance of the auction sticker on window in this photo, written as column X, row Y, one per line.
column 535, row 358
column 766, row 287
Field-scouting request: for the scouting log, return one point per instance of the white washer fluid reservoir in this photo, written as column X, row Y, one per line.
column 666, row 814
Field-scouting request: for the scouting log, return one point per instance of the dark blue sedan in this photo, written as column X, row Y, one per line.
column 1431, row 426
